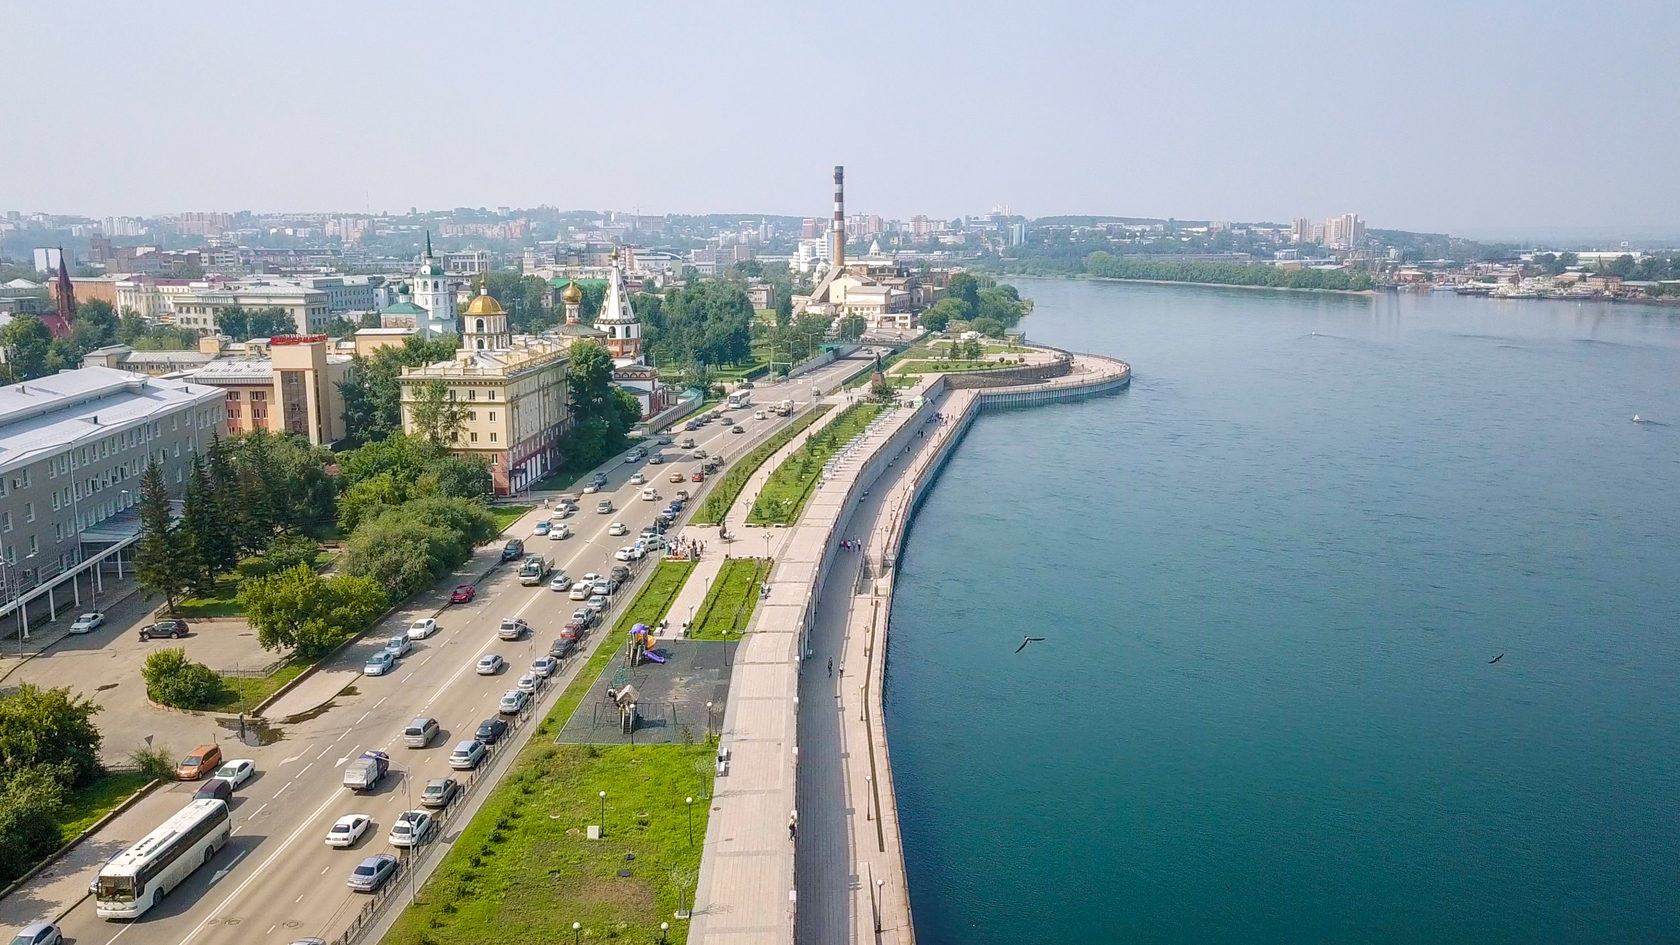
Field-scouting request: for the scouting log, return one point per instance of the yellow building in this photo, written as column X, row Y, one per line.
column 292, row 390
column 514, row 391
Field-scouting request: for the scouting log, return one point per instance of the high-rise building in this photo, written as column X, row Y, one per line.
column 809, row 229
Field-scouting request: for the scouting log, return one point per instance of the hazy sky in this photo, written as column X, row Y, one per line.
column 1483, row 119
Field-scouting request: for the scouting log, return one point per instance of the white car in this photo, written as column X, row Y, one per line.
column 559, row 531
column 490, row 664
column 604, row 507
column 649, row 495
column 348, row 830
column 513, row 702
column 758, row 415
column 580, row 591
column 628, row 553
column 560, row 582
column 529, row 682
column 637, row 479
column 87, row 623
column 422, row 628
column 602, row 586
column 591, row 489
column 617, row 528
column 545, row 666
column 411, row 828
column 598, row 603
column 237, row 771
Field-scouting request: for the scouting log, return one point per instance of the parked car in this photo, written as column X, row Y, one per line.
column 237, row 771
column 585, row 616
column 698, row 476
column 681, row 496
column 398, row 646
column 580, row 591
column 512, row 628
column 545, row 666
column 39, row 932
column 490, row 731
column 467, row 755
column 411, row 829
column 604, row 586
column 422, row 628
column 561, row 648
column 164, row 629
column 629, row 553
column 620, row 573
column 490, row 664
column 439, row 792
column 529, row 683
column 617, row 528
column 463, row 593
column 560, row 582
column 347, row 830
column 597, row 603
column 201, row 762
column 513, row 550
column 218, row 789
column 649, row 495
column 87, row 623
column 513, row 702
column 379, row 664
column 372, row 873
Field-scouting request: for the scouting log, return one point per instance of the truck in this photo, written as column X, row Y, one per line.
column 364, row 773
column 533, row 570
column 784, row 409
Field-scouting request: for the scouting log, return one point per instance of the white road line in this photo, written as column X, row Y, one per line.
column 300, row 898
column 306, row 769
column 380, row 702
column 364, row 716
column 325, row 751
column 274, row 926
column 259, row 810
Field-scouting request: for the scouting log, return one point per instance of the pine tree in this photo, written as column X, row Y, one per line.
column 155, row 567
column 256, row 490
column 224, row 484
column 193, row 556
column 215, row 537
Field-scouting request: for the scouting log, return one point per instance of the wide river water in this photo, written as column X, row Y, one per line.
column 1273, row 577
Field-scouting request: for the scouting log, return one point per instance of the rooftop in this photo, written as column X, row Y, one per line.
column 50, row 414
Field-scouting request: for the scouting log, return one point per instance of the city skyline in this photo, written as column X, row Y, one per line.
column 1502, row 122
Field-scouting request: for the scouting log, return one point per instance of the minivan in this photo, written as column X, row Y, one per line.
column 203, row 760
column 419, row 732
column 220, row 789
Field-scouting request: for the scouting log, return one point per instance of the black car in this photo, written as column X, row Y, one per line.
column 490, row 731
column 220, row 789
column 513, row 550
column 164, row 629
column 560, row 649
column 620, row 573
column 439, row 792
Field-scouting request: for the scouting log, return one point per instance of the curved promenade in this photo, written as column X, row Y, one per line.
column 794, row 737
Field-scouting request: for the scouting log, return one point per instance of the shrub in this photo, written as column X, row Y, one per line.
column 283, row 553
column 309, row 613
column 172, row 680
column 154, row 761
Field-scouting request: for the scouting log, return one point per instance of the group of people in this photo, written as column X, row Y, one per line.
column 851, row 544
column 687, row 548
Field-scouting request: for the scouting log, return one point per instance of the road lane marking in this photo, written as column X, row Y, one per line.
column 327, row 750
column 306, row 769
column 364, row 716
column 341, row 761
column 259, row 810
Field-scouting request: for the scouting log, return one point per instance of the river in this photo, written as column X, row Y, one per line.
column 1274, row 576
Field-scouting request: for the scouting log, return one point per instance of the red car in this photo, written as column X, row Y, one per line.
column 698, row 477
column 462, row 594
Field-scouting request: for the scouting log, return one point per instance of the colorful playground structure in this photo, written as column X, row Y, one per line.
column 641, row 645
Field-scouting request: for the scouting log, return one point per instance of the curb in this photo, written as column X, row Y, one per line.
column 73, row 842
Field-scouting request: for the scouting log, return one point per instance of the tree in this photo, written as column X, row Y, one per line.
column 29, row 352
column 194, row 556
column 598, row 424
column 373, row 389
column 172, row 680
column 31, row 803
column 50, row 728
column 990, row 327
column 216, row 537
column 940, row 316
column 437, row 414
column 284, row 552
column 155, row 569
column 852, row 327
column 965, row 288
column 298, row 609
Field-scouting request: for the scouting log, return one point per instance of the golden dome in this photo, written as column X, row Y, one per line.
column 484, row 304
column 572, row 295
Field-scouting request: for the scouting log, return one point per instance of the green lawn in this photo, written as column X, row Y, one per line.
column 506, row 515
column 937, row 365
column 243, row 693
column 221, row 603
column 730, row 602
column 90, row 803
column 723, row 494
column 789, row 487
column 523, row 869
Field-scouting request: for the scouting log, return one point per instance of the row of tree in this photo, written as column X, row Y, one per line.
column 980, row 303
column 1116, row 267
column 32, row 351
column 49, row 746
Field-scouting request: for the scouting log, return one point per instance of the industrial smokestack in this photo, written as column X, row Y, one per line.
column 839, row 232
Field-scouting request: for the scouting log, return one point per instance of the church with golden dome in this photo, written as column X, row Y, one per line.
column 514, row 390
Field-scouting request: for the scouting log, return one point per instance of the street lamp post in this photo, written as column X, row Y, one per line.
column 690, row 802
column 663, row 928
column 603, row 813
column 577, row 932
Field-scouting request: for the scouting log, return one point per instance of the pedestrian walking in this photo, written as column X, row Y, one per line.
column 793, row 825
column 842, row 670
column 831, row 666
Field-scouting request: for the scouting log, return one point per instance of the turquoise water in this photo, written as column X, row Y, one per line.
column 1272, row 576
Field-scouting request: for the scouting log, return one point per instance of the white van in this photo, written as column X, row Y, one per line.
column 420, row 732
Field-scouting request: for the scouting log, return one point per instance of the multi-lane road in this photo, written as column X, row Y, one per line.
column 276, row 881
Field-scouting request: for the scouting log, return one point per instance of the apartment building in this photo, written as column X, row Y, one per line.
column 72, row 449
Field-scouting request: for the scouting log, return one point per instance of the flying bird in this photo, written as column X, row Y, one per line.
column 1026, row 640
column 1497, row 658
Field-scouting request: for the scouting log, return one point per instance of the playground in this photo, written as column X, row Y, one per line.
column 654, row 692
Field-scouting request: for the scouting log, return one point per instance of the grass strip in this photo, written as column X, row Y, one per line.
column 729, row 603
column 243, row 693
column 505, row 515
column 85, row 805
column 937, row 366
column 724, row 493
column 788, row 489
column 523, row 869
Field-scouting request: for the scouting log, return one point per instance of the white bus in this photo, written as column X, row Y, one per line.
column 739, row 398
column 140, row 876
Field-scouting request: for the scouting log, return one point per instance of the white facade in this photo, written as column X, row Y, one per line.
column 432, row 292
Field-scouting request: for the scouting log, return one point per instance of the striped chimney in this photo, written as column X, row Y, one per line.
column 838, row 235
